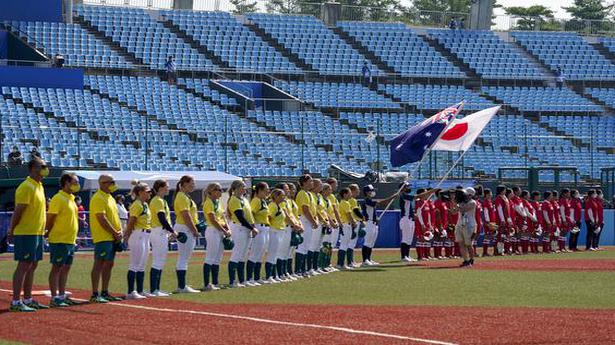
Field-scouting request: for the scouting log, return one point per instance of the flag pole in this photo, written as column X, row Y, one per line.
column 450, row 169
column 421, row 161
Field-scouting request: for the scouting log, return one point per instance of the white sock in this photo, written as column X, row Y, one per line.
column 27, row 300
column 15, row 302
column 61, row 297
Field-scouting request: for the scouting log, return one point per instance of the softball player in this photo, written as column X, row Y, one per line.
column 347, row 227
column 136, row 235
column 322, row 230
column 258, row 245
column 274, row 265
column 335, row 232
column 358, row 217
column 331, row 238
column 62, row 225
column 186, row 219
column 307, row 215
column 368, row 207
column 26, row 230
column 294, row 226
column 159, row 238
column 406, row 221
column 216, row 231
column 242, row 229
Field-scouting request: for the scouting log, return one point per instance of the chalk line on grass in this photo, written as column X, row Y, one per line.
column 275, row 322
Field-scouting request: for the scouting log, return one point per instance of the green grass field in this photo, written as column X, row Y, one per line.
column 389, row 284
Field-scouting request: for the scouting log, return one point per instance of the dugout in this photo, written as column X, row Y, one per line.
column 607, row 179
column 540, row 178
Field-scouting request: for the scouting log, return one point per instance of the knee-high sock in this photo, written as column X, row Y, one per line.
column 215, row 270
column 279, row 265
column 350, row 256
column 206, row 272
column 298, row 264
column 250, row 270
column 158, row 278
column 289, row 266
column 315, row 260
column 267, row 270
column 181, row 278
column 341, row 255
column 153, row 279
column 131, row 280
column 241, row 271
column 310, row 257
column 365, row 253
column 257, row 270
column 402, row 250
column 232, row 267
column 140, row 279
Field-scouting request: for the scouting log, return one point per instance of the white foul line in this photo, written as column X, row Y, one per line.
column 275, row 322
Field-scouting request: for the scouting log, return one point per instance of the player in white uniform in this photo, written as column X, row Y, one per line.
column 259, row 243
column 136, row 235
column 242, row 231
column 406, row 221
column 185, row 222
column 159, row 238
column 307, row 211
column 368, row 207
column 465, row 230
column 216, row 231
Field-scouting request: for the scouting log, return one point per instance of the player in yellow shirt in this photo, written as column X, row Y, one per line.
column 331, row 236
column 136, row 235
column 357, row 214
column 307, row 214
column 258, row 245
column 322, row 230
column 292, row 225
column 62, row 227
column 26, row 231
column 242, row 229
column 106, row 231
column 186, row 219
column 277, row 218
column 159, row 238
column 217, row 230
column 348, row 224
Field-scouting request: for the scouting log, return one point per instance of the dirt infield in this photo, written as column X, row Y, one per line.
column 594, row 265
column 163, row 321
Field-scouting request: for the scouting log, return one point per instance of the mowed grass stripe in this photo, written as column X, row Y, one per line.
column 390, row 284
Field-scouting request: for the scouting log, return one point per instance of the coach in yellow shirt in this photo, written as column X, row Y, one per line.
column 106, row 231
column 62, row 227
column 26, row 231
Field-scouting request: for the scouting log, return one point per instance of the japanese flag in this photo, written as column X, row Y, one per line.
column 461, row 133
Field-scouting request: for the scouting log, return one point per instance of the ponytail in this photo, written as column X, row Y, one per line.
column 183, row 180
column 137, row 187
column 258, row 188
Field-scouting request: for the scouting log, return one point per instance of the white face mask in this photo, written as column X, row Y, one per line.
column 371, row 194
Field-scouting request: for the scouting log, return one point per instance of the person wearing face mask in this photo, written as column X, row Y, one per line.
column 406, row 221
column 106, row 231
column 599, row 219
column 15, row 159
column 368, row 207
column 26, row 232
column 576, row 208
column 62, row 225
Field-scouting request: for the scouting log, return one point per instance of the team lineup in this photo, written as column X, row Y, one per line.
column 290, row 229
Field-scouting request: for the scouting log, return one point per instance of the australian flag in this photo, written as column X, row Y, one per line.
column 410, row 146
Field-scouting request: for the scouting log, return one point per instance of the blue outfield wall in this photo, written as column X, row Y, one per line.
column 4, row 41
column 32, row 10
column 67, row 78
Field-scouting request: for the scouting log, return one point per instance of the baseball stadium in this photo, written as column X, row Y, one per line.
column 306, row 171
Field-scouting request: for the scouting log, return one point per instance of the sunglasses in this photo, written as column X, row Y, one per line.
column 111, row 182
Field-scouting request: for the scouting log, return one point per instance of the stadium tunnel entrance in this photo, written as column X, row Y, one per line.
column 252, row 95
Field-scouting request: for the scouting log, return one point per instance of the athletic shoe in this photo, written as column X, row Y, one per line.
column 291, row 277
column 20, row 307
column 159, row 293
column 340, row 267
column 374, row 263
column 34, row 304
column 263, row 282
column 98, row 299
column 346, row 267
column 69, row 301
column 272, row 280
column 250, row 283
column 407, row 259
column 211, row 287
column 111, row 298
column 296, row 276
column 57, row 303
column 279, row 280
column 135, row 295
column 321, row 271
column 334, row 269
column 147, row 294
column 238, row 285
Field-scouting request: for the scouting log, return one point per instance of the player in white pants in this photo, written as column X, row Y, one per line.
column 159, row 238
column 216, row 231
column 293, row 225
column 358, row 218
column 187, row 218
column 137, row 236
column 335, row 216
column 406, row 221
column 242, row 230
column 368, row 207
column 323, row 231
column 258, row 245
column 347, row 227
column 306, row 201
column 274, row 264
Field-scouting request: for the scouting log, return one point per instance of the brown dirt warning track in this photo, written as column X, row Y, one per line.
column 164, row 321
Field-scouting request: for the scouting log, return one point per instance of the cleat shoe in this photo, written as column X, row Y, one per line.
column 263, row 282
column 186, row 289
column 21, row 307
column 57, row 303
column 35, row 305
column 98, row 300
column 111, row 298
column 70, row 301
column 159, row 293
column 211, row 287
column 135, row 295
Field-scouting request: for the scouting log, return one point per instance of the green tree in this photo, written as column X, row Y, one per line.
column 244, row 6
column 589, row 16
column 530, row 18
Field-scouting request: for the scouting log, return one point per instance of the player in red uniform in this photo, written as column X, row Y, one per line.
column 576, row 208
column 564, row 215
column 441, row 223
column 557, row 220
column 535, row 239
column 490, row 221
column 502, row 218
column 478, row 217
column 519, row 218
column 600, row 221
column 432, row 217
column 422, row 222
column 530, row 225
column 512, row 229
column 548, row 225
